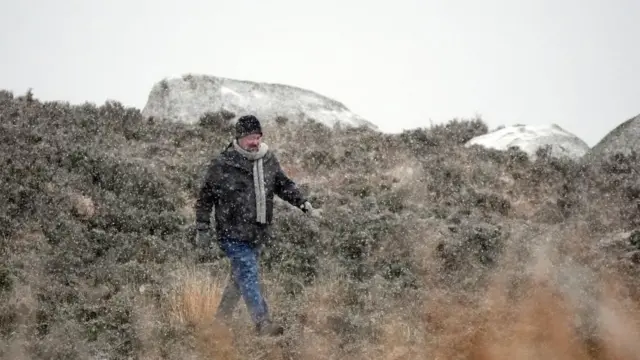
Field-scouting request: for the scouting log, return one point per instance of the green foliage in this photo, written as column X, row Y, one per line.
column 615, row 179
column 453, row 133
column 107, row 195
column 219, row 121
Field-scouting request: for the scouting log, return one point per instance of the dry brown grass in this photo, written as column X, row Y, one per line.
column 531, row 314
column 194, row 300
column 192, row 304
column 22, row 299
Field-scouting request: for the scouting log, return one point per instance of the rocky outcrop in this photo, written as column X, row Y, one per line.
column 624, row 139
column 188, row 98
column 530, row 138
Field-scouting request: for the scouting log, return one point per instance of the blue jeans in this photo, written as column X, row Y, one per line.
column 244, row 282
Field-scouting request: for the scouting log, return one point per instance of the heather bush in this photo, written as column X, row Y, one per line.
column 96, row 229
column 453, row 133
column 219, row 121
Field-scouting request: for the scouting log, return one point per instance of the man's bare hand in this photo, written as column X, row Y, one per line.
column 309, row 209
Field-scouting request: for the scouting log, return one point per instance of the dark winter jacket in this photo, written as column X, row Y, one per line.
column 228, row 188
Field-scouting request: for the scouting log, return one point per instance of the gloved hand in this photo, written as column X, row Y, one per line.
column 307, row 208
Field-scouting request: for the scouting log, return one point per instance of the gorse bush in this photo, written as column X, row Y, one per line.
column 455, row 132
column 97, row 219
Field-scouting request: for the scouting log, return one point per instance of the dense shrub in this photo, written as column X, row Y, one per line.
column 98, row 213
column 453, row 133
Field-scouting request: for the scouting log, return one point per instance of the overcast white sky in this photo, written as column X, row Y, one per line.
column 400, row 63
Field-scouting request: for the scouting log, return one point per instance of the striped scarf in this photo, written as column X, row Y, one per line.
column 258, row 178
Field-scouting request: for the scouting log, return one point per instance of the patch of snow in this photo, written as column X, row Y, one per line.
column 529, row 138
column 185, row 99
column 226, row 90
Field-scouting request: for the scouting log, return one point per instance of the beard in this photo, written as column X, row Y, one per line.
column 251, row 148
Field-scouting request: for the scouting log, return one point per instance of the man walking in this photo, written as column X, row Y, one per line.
column 240, row 184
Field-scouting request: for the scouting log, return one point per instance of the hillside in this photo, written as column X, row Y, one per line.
column 428, row 249
column 624, row 138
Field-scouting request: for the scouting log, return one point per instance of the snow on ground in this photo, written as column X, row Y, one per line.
column 530, row 138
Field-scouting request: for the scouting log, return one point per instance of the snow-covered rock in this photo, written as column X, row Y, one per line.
column 623, row 139
column 529, row 138
column 187, row 98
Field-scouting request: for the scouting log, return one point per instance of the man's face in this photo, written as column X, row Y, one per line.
column 250, row 142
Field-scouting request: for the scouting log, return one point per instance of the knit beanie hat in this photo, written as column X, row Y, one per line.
column 247, row 125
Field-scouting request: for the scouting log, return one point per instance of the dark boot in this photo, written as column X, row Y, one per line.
column 267, row 327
